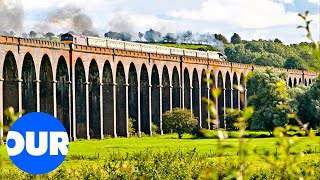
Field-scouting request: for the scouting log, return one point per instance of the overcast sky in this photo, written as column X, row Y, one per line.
column 252, row 19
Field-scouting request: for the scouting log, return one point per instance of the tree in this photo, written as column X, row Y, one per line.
column 140, row 35
column 32, row 34
column 266, row 100
column 125, row 36
column 293, row 62
column 269, row 59
column 231, row 118
column 309, row 105
column 112, row 35
column 118, row 36
column 221, row 38
column 169, row 37
column 153, row 36
column 24, row 35
column 90, row 33
column 12, row 33
column 179, row 121
column 49, row 35
column 276, row 40
column 236, row 39
column 187, row 37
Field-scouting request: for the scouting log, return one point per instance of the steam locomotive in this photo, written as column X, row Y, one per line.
column 140, row 47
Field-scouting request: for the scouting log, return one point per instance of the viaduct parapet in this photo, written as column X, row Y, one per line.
column 94, row 91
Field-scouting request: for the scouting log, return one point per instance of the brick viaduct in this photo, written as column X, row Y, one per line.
column 94, row 91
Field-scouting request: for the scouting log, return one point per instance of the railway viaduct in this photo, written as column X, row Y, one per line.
column 94, row 91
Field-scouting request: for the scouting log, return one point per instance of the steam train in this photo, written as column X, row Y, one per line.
column 140, row 47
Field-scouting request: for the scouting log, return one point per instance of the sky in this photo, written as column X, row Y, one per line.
column 251, row 19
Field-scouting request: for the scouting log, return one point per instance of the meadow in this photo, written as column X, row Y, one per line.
column 167, row 157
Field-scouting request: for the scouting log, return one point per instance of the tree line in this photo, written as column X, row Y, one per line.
column 271, row 98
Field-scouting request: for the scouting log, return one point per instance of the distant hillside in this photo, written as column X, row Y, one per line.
column 269, row 53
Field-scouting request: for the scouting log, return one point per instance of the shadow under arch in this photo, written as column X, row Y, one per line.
column 62, row 93
column 29, row 89
column 46, row 86
column 10, row 86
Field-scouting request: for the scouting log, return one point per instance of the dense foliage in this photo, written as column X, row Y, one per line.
column 266, row 100
column 308, row 109
column 268, row 53
column 180, row 121
column 304, row 102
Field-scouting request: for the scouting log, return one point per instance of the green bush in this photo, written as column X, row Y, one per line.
column 179, row 121
column 132, row 130
column 231, row 118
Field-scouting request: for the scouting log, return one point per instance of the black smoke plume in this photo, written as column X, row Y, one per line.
column 11, row 17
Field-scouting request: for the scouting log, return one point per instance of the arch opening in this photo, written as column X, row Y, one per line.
column 187, row 103
column 195, row 95
column 62, row 93
column 94, row 101
column 80, row 93
column 155, row 97
column 133, row 96
column 46, row 86
column 10, row 86
column 165, row 90
column 121, row 101
column 235, row 92
column 108, row 100
column 176, row 99
column 221, row 100
column 29, row 89
column 144, row 102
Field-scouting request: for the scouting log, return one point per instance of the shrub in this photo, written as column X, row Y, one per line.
column 231, row 118
column 154, row 128
column 131, row 128
column 179, row 121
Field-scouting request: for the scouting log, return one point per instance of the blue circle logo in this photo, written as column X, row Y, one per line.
column 37, row 143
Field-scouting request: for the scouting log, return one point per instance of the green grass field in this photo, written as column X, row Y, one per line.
column 97, row 154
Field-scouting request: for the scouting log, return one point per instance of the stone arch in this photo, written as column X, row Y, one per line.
column 80, row 88
column 121, row 101
column 295, row 82
column 290, row 82
column 176, row 98
column 62, row 93
column 310, row 81
column 108, row 100
column 204, row 105
column 186, row 78
column 195, row 95
column 133, row 95
column 94, row 100
column 46, row 85
column 236, row 94
column 300, row 81
column 144, row 102
column 10, row 85
column 29, row 89
column 165, row 90
column 155, row 96
column 221, row 99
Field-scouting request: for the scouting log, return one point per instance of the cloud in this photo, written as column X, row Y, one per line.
column 313, row 1
column 253, row 19
column 244, row 13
